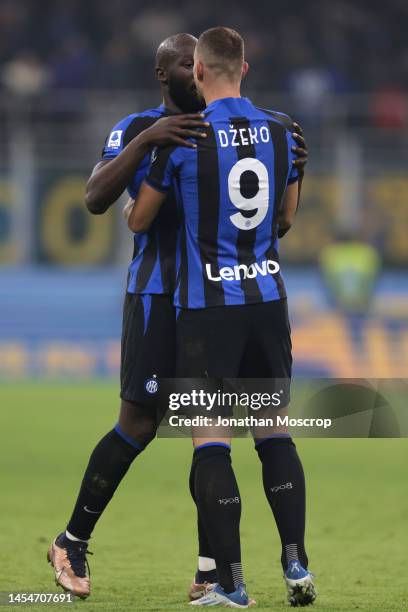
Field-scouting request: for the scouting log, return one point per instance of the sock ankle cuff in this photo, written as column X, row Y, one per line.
column 73, row 538
column 206, row 564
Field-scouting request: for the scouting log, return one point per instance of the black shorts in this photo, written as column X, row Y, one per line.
column 252, row 341
column 148, row 346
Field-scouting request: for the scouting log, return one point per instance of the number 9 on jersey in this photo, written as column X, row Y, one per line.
column 244, row 175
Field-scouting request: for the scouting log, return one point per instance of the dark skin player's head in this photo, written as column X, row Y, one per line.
column 174, row 71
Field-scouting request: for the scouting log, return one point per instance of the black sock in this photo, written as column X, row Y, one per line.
column 107, row 466
column 204, row 548
column 284, row 485
column 219, row 506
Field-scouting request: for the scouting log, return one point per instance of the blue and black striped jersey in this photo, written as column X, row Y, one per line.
column 153, row 266
column 231, row 188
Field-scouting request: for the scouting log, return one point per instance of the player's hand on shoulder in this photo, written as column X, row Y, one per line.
column 300, row 149
column 176, row 130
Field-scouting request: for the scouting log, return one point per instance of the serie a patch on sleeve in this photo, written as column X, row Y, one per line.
column 115, row 139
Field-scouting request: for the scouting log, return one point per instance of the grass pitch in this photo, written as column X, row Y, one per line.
column 145, row 546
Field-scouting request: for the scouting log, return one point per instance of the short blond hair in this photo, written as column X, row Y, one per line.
column 221, row 49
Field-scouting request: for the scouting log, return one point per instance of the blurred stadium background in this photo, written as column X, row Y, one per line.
column 70, row 70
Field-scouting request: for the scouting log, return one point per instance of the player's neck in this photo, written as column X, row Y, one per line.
column 170, row 105
column 217, row 92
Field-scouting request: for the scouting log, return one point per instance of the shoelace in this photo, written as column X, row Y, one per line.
column 78, row 560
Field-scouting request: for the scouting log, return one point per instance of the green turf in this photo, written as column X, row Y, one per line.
column 145, row 544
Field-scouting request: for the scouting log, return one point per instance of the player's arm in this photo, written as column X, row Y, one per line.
column 289, row 208
column 302, row 155
column 142, row 212
column 291, row 196
column 152, row 193
column 300, row 149
column 110, row 178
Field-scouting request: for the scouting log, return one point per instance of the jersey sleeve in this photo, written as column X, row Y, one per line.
column 120, row 136
column 115, row 142
column 164, row 165
column 287, row 122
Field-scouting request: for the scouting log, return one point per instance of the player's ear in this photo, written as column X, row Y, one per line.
column 161, row 75
column 199, row 70
column 245, row 68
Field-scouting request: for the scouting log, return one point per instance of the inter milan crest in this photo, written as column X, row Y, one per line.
column 152, row 385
